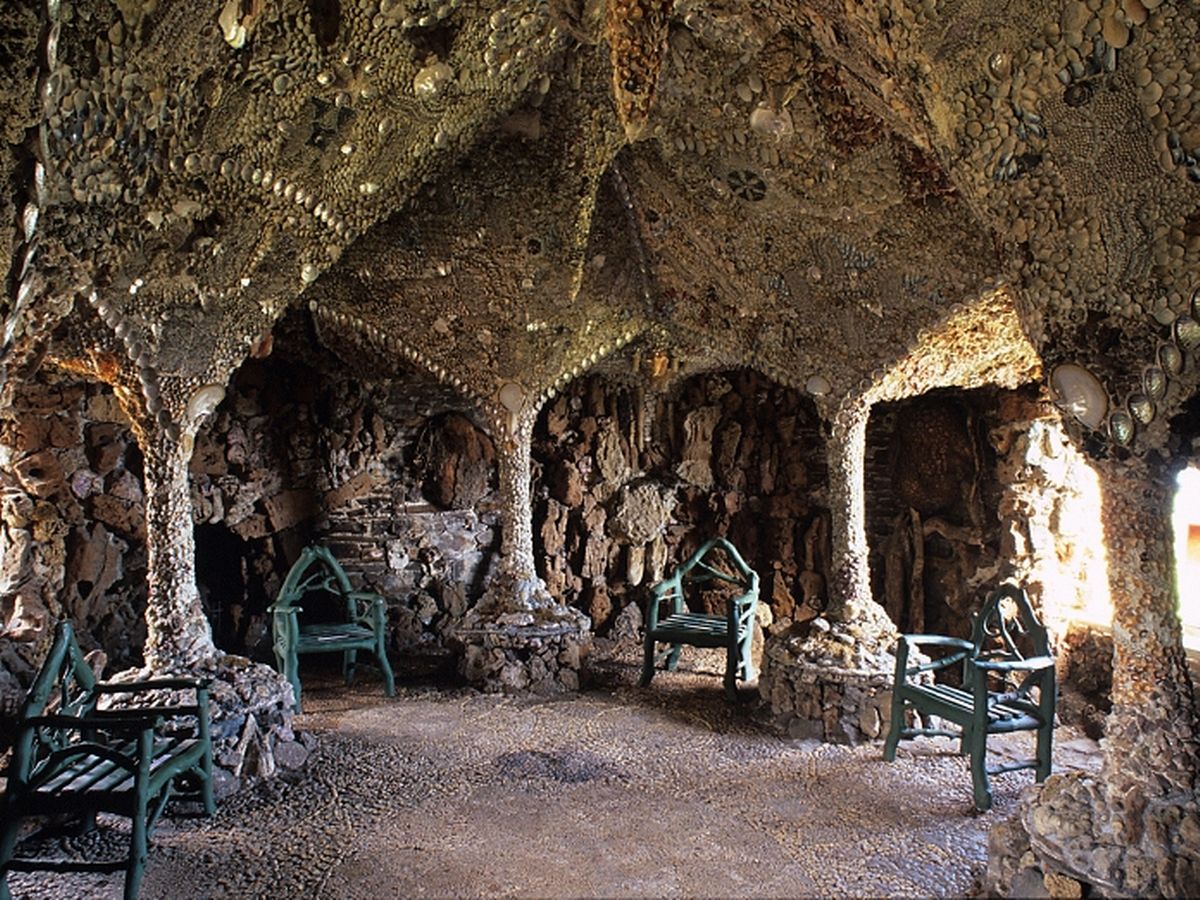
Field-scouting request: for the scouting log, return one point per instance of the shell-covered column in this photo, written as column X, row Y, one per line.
column 850, row 592
column 1151, row 734
column 178, row 632
column 832, row 680
column 522, row 587
column 519, row 638
column 1135, row 829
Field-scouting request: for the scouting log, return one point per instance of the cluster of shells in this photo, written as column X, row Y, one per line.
column 388, row 344
column 517, row 36
column 1083, row 395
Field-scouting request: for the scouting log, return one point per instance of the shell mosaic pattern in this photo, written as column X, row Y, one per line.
column 874, row 199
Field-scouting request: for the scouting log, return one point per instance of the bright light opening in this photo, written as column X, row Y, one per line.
column 1061, row 503
column 1186, row 523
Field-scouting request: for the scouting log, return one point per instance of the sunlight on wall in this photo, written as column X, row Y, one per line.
column 1063, row 518
column 1186, row 524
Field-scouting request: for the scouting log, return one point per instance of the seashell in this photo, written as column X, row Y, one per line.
column 29, row 220
column 309, row 273
column 1121, row 427
column 999, row 65
column 1195, row 304
column 432, row 80
column 282, row 83
column 204, row 400
column 818, row 386
column 1170, row 359
column 1154, row 381
column 1141, row 408
column 1187, row 334
column 1080, row 393
column 511, row 396
column 50, row 47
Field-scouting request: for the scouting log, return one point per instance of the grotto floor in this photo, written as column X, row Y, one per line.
column 618, row 791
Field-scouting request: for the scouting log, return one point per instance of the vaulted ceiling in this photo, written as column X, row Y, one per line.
column 505, row 193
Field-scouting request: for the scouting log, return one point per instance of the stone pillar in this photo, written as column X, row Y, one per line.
column 832, row 680
column 1135, row 829
column 1151, row 734
column 519, row 638
column 850, row 592
column 515, row 582
column 178, row 632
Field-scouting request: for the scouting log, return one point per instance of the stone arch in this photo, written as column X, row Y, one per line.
column 334, row 437
column 632, row 476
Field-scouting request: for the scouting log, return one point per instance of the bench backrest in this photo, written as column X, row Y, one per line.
column 65, row 684
column 696, row 569
column 315, row 571
column 999, row 627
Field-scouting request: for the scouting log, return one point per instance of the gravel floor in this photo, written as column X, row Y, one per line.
column 617, row 791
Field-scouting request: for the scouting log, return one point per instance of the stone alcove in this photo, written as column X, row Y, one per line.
column 323, row 441
column 630, row 480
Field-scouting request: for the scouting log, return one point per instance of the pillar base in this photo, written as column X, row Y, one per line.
column 251, row 715
column 518, row 640
column 1067, row 840
column 824, row 681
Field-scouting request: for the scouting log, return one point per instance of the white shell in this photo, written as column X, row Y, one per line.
column 512, row 397
column 1080, row 393
column 818, row 386
column 205, row 400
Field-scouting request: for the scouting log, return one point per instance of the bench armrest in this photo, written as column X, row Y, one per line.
column 1033, row 664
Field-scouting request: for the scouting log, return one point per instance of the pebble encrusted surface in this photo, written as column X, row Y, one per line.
column 615, row 791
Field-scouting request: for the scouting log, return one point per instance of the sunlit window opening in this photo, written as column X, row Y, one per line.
column 1186, row 523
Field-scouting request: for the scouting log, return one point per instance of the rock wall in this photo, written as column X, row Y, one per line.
column 72, row 526
column 629, row 484
column 993, row 487
column 392, row 473
column 932, row 496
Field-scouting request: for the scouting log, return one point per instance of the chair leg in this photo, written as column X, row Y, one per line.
column 137, row 852
column 732, row 665
column 979, row 775
column 648, row 662
column 8, row 844
column 747, row 658
column 894, row 732
column 349, row 663
column 1045, row 738
column 389, row 679
column 673, row 657
column 291, row 672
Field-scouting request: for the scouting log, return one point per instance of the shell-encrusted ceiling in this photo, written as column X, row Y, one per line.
column 507, row 193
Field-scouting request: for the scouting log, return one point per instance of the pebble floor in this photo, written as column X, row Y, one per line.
column 615, row 792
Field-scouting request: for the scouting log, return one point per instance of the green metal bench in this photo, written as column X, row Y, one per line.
column 734, row 631
column 70, row 757
column 1002, row 690
column 364, row 626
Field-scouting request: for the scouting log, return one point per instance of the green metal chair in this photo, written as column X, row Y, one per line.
column 734, row 631
column 364, row 626
column 997, row 693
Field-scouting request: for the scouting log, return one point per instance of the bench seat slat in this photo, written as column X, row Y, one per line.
column 92, row 774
